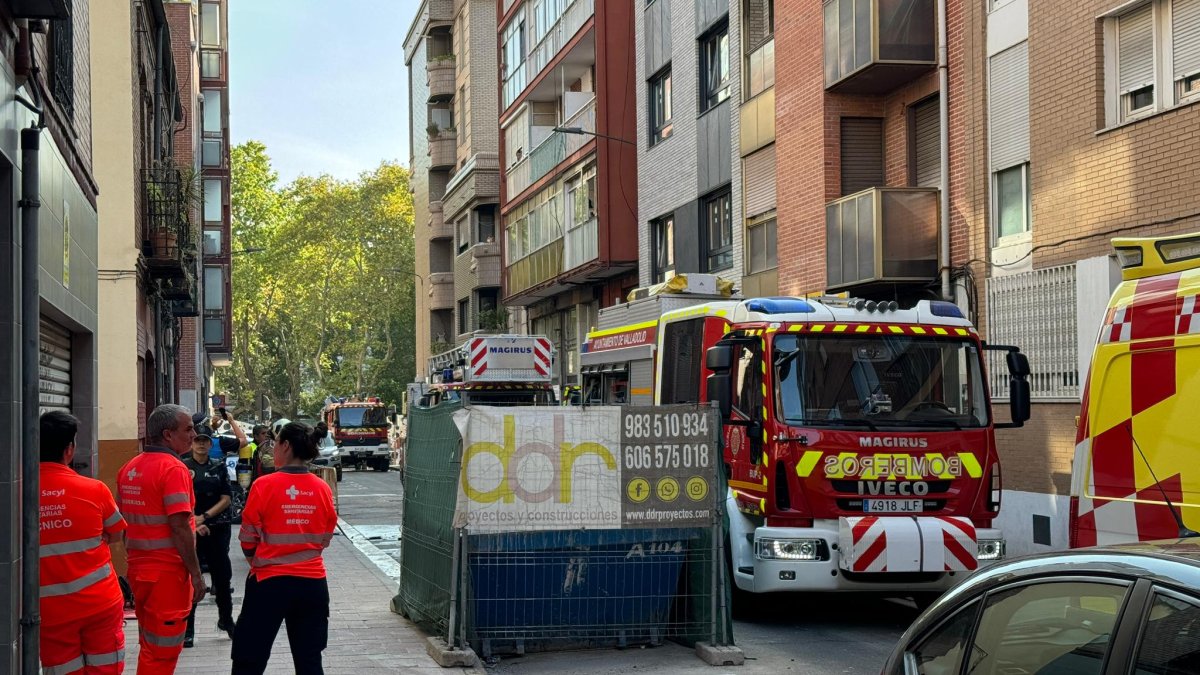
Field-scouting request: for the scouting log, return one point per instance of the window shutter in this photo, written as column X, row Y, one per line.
column 1135, row 49
column 1008, row 107
column 926, row 146
column 759, row 173
column 1185, row 34
column 862, row 153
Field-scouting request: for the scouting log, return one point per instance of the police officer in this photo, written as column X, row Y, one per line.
column 156, row 497
column 288, row 521
column 82, row 607
column 210, row 481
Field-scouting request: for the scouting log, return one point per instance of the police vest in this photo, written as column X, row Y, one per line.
column 288, row 521
column 75, row 570
column 152, row 486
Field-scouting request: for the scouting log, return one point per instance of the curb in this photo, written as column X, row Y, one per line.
column 385, row 563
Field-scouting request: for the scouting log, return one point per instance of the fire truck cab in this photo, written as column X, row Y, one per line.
column 859, row 439
column 1135, row 475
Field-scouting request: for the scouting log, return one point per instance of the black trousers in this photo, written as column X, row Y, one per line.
column 213, row 551
column 303, row 604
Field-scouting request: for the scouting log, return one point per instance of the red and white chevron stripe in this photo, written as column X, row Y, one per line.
column 907, row 544
column 478, row 356
column 541, row 356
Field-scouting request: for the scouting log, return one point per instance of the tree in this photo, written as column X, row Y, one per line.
column 321, row 309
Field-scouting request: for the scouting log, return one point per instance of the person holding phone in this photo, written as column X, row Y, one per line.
column 221, row 445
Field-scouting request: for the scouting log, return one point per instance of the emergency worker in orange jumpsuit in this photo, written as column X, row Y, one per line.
column 82, row 606
column 156, row 498
column 288, row 521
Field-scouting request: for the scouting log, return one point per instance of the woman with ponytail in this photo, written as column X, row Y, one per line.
column 287, row 523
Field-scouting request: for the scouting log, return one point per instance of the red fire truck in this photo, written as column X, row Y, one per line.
column 360, row 429
column 859, row 439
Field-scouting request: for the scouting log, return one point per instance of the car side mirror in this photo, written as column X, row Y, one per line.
column 719, row 386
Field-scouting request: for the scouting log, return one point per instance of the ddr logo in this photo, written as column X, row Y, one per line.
column 561, row 455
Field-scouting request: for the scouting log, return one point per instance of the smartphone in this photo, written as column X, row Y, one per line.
column 224, row 415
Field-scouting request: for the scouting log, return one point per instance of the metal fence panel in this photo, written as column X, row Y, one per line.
column 1036, row 311
column 427, row 559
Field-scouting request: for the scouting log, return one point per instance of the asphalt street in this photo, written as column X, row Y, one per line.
column 793, row 633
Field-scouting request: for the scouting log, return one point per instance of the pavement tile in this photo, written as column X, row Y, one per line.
column 364, row 636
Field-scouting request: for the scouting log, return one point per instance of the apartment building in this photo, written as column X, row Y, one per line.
column 199, row 46
column 453, row 106
column 568, row 157
column 706, row 141
column 46, row 69
column 148, row 251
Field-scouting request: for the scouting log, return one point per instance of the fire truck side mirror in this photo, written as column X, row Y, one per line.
column 719, row 358
column 719, row 386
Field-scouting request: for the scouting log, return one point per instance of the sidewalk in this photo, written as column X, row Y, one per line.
column 364, row 635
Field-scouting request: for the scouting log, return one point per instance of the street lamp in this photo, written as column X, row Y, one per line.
column 580, row 131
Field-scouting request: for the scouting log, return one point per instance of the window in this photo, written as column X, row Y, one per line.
column 1153, row 58
column 1169, row 643
column 1054, row 627
column 748, row 387
column 62, row 64
column 212, row 242
column 683, row 350
column 925, row 159
column 464, row 316
column 210, row 64
column 1010, row 190
column 212, row 112
column 210, row 152
column 210, row 24
column 461, row 105
column 943, row 649
column 660, row 106
column 718, row 225
column 762, row 237
column 862, row 153
column 714, row 68
column 214, row 330
column 663, row 233
column 758, row 22
column 214, row 289
column 212, row 201
column 462, row 233
column 485, row 219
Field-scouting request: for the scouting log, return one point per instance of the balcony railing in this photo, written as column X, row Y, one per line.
column 881, row 235
column 874, row 47
column 542, row 53
column 438, row 227
column 441, row 77
column 552, row 151
column 582, row 245
column 168, row 247
column 443, row 149
column 441, row 290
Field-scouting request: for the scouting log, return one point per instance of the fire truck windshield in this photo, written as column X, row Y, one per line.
column 349, row 418
column 893, row 381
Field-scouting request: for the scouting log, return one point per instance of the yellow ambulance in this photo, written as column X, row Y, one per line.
column 1136, row 474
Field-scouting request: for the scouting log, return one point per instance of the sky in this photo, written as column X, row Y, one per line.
column 322, row 83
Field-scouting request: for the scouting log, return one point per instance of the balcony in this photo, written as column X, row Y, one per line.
column 438, row 227
column 581, row 244
column 443, row 148
column 552, row 151
column 441, row 290
column 881, row 236
column 168, row 249
column 543, row 265
column 441, row 77
column 548, row 47
column 876, row 46
column 40, row 9
column 485, row 265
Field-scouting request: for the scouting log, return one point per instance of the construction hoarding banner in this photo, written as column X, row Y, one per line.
column 536, row 469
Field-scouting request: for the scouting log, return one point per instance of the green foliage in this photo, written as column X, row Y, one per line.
column 319, row 311
column 494, row 320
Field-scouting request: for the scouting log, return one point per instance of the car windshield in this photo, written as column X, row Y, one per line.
column 328, row 441
column 896, row 380
column 348, row 418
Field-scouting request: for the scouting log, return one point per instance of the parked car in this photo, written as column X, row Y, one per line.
column 331, row 454
column 1126, row 609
